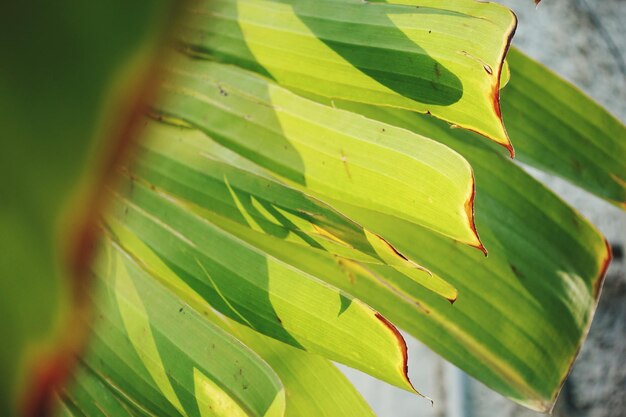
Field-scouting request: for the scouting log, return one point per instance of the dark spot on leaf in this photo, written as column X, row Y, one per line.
column 516, row 271
column 344, row 159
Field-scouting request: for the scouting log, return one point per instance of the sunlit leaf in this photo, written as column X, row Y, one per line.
column 424, row 55
column 153, row 350
column 219, row 185
column 324, row 151
column 522, row 312
column 314, row 387
column 254, row 288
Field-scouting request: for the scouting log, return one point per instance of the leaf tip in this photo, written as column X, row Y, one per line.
column 469, row 212
column 403, row 349
column 604, row 266
column 495, row 93
column 509, row 147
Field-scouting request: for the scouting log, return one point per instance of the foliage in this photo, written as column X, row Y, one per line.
column 296, row 189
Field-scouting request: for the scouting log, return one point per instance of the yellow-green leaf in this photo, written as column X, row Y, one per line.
column 324, row 151
column 423, row 55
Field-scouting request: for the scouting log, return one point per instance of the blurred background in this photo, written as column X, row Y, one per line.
column 585, row 42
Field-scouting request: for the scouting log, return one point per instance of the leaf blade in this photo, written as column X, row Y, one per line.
column 545, row 260
column 257, row 289
column 141, row 348
column 324, row 151
column 580, row 142
column 416, row 44
column 190, row 166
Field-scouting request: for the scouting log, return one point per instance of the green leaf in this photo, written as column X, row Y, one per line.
column 423, row 55
column 557, row 128
column 89, row 395
column 73, row 75
column 538, row 286
column 155, row 351
column 66, row 410
column 323, row 151
column 523, row 311
column 219, row 184
column 314, row 387
column 252, row 287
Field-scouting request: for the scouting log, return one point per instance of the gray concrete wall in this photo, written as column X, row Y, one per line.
column 585, row 42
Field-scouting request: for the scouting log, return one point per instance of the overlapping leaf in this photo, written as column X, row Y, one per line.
column 325, row 151
column 89, row 395
column 242, row 216
column 424, row 55
column 538, row 268
column 151, row 353
column 313, row 386
column 219, row 185
column 536, row 251
column 556, row 128
column 539, row 285
column 254, row 288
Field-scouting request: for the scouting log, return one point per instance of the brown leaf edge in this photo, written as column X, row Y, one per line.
column 50, row 370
